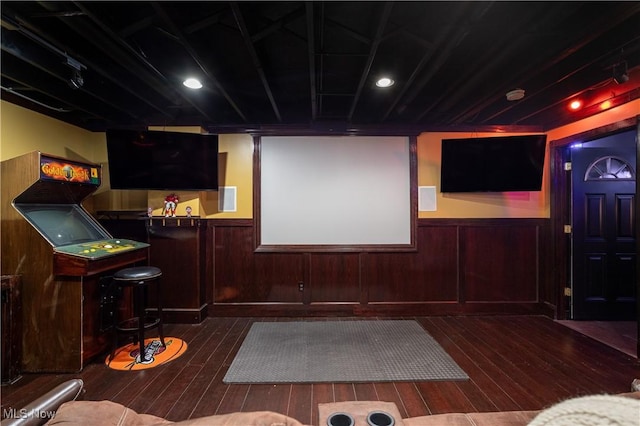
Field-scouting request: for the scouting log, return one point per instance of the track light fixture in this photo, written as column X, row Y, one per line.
column 620, row 73
column 76, row 81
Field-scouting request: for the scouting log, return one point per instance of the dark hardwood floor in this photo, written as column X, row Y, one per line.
column 622, row 335
column 514, row 362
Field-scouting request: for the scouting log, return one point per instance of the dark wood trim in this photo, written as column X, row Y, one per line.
column 342, row 129
column 318, row 248
column 257, row 190
column 67, row 265
column 561, row 209
column 510, row 221
column 637, row 229
column 363, row 289
column 209, row 261
column 596, row 133
column 336, row 309
column 306, row 274
column 183, row 315
column 229, row 222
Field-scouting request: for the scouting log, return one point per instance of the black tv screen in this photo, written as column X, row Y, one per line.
column 162, row 160
column 493, row 164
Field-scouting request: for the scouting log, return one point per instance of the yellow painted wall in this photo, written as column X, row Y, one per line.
column 22, row 131
column 475, row 205
column 502, row 205
column 236, row 169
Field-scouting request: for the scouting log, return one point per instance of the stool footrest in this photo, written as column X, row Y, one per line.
column 131, row 325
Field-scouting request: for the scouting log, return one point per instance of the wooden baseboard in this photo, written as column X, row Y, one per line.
column 184, row 316
column 376, row 309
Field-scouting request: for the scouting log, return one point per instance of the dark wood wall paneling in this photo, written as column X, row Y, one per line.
column 460, row 266
column 11, row 328
column 179, row 247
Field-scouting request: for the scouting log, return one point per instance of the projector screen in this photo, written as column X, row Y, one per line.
column 336, row 191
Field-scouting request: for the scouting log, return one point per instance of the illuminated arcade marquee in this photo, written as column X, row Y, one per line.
column 68, row 171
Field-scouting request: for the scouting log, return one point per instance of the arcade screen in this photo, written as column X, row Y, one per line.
column 63, row 224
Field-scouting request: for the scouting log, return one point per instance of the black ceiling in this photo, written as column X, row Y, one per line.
column 313, row 65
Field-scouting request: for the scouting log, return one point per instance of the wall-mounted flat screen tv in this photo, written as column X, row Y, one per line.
column 157, row 160
column 493, row 164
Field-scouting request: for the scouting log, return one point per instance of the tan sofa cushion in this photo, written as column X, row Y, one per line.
column 255, row 418
column 107, row 413
column 503, row 418
column 100, row 413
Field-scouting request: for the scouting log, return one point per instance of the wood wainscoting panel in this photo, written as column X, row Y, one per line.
column 233, row 264
column 499, row 262
column 334, row 277
column 428, row 275
column 459, row 267
column 176, row 248
column 276, row 277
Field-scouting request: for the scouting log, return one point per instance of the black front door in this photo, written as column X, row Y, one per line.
column 604, row 234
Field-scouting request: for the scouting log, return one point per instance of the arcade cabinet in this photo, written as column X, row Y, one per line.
column 63, row 257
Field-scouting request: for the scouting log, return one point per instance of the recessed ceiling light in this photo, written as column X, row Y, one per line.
column 385, row 82
column 192, row 83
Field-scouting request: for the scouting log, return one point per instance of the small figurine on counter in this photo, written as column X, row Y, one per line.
column 188, row 210
column 170, row 204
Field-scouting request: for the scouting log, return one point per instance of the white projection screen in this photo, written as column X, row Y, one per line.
column 335, row 191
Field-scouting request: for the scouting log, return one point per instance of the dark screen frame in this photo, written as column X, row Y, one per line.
column 156, row 160
column 493, row 164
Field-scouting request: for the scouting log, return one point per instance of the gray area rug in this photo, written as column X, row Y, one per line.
column 340, row 351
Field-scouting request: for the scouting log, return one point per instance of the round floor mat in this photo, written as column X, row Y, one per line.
column 128, row 357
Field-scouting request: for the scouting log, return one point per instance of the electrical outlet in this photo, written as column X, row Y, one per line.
column 300, row 286
column 567, row 291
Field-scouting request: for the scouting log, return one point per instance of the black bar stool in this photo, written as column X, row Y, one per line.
column 138, row 278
